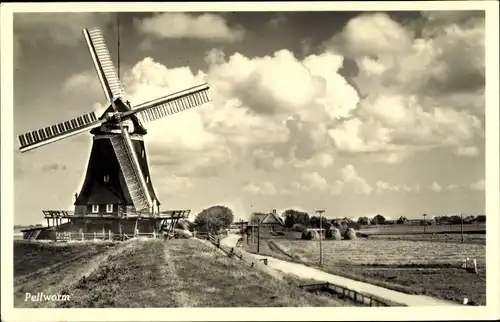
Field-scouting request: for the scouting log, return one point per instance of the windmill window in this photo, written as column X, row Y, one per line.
column 95, row 208
column 106, row 178
column 109, row 208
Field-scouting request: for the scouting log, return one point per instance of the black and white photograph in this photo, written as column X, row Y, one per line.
column 250, row 157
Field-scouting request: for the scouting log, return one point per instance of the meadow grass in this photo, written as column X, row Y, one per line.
column 156, row 273
column 416, row 267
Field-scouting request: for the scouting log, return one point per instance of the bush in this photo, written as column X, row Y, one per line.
column 310, row 234
column 298, row 227
column 333, row 233
column 350, row 234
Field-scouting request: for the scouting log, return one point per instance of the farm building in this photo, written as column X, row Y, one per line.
column 270, row 221
column 239, row 225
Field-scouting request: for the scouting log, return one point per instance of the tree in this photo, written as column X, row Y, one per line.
column 295, row 217
column 214, row 218
column 378, row 220
column 401, row 220
column 314, row 221
column 481, row 218
column 455, row 220
column 363, row 221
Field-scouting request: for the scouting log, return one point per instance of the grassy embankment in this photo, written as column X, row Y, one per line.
column 150, row 273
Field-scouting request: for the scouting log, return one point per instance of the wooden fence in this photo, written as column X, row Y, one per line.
column 346, row 293
column 342, row 292
column 69, row 236
column 230, row 251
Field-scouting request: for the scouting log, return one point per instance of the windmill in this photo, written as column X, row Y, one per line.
column 117, row 184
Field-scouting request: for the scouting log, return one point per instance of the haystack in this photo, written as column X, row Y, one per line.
column 310, row 234
column 350, row 234
column 333, row 233
column 181, row 233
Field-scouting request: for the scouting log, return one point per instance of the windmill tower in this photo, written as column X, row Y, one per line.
column 117, row 188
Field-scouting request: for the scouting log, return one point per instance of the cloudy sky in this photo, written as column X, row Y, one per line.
column 356, row 113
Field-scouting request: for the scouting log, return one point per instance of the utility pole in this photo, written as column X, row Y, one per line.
column 258, row 237
column 462, row 226
column 320, row 236
column 425, row 223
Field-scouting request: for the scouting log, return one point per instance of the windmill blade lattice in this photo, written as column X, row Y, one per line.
column 103, row 64
column 174, row 103
column 59, row 131
column 132, row 173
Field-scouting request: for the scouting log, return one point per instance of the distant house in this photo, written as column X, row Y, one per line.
column 270, row 221
column 239, row 225
column 428, row 221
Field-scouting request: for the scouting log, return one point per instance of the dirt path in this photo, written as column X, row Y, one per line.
column 306, row 272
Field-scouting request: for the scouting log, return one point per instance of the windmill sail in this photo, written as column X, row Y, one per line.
column 110, row 83
column 49, row 134
column 171, row 104
column 132, row 173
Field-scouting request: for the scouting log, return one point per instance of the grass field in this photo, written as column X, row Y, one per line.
column 417, row 229
column 150, row 273
column 419, row 267
column 438, row 238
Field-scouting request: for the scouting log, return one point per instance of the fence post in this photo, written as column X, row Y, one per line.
column 95, row 235
column 82, row 236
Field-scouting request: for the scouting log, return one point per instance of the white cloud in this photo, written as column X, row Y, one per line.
column 84, row 83
column 416, row 94
column 436, row 187
column 387, row 187
column 184, row 25
column 373, row 34
column 350, row 182
column 312, row 181
column 320, row 160
column 264, row 188
column 478, row 185
column 278, row 110
column 278, row 106
column 467, row 151
column 451, row 187
column 277, row 21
